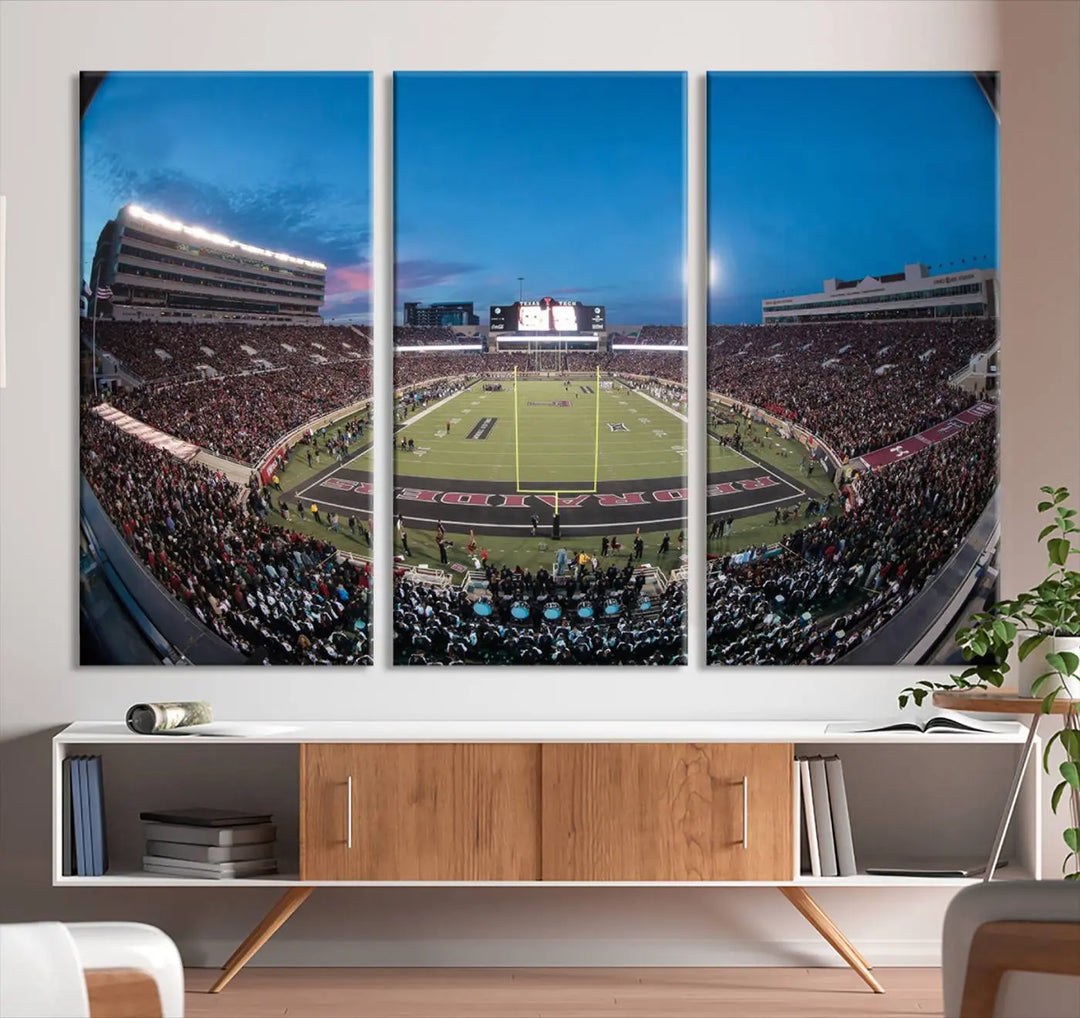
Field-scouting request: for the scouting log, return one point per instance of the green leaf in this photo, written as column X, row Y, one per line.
column 920, row 695
column 1070, row 739
column 1047, row 530
column 1046, row 749
column 1064, row 663
column 1070, row 661
column 1038, row 683
column 1048, row 701
column 1055, row 798
column 1060, row 495
column 1048, row 490
column 1072, row 838
column 903, row 700
column 1043, row 506
column 1031, row 643
column 1071, row 773
column 1072, row 876
column 1058, row 550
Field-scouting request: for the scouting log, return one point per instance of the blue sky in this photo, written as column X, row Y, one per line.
column 574, row 181
column 281, row 161
column 812, row 176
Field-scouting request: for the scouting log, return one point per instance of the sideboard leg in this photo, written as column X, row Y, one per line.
column 285, row 906
column 816, row 917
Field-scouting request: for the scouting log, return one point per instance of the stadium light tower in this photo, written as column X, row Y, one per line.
column 521, row 287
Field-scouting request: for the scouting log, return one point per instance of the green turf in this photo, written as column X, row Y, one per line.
column 298, row 473
column 556, row 448
column 787, row 456
column 534, row 552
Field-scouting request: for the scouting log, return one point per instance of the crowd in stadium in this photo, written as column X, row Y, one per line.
column 858, row 386
column 902, row 523
column 429, row 335
column 438, row 625
column 409, row 369
column 223, row 347
column 662, row 335
column 275, row 595
column 241, row 416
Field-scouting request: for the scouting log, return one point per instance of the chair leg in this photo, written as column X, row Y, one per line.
column 286, row 905
column 816, row 917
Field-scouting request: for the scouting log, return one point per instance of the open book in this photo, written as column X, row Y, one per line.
column 930, row 722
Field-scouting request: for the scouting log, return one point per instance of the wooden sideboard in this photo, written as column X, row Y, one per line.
column 611, row 812
column 528, row 804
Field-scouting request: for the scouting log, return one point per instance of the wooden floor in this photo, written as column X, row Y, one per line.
column 563, row 993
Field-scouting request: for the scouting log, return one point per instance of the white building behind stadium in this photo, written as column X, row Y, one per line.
column 160, row 269
column 913, row 293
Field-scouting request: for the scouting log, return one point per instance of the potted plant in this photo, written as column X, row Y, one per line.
column 1047, row 615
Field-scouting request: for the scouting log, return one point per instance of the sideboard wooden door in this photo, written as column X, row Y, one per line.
column 431, row 811
column 662, row 811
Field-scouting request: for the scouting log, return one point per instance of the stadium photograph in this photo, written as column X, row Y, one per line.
column 852, row 365
column 225, row 368
column 540, row 369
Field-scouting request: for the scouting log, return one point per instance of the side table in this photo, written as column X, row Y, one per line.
column 1006, row 701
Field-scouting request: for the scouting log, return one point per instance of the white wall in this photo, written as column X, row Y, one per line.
column 44, row 45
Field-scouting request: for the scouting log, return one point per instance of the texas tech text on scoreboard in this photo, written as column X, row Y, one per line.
column 547, row 316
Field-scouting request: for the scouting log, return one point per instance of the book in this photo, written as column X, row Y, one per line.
column 99, row 862
column 823, row 817
column 939, row 722
column 81, row 849
column 801, row 851
column 808, row 813
column 173, row 871
column 211, row 853
column 83, row 846
column 841, row 817
column 203, row 816
column 247, row 834
column 231, row 869
column 67, row 820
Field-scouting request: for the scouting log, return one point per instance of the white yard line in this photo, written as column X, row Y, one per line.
column 609, row 527
column 662, row 406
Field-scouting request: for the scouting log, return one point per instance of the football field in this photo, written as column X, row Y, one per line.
column 546, row 437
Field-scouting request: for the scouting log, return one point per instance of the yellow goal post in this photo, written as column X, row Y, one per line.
column 552, row 491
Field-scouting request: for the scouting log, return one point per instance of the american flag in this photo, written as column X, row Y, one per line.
column 104, row 293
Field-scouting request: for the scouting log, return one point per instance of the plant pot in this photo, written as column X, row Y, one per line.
column 1071, row 644
column 1036, row 665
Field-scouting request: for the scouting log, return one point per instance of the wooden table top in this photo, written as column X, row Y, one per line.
column 999, row 701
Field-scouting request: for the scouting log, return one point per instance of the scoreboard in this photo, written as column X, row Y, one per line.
column 547, row 316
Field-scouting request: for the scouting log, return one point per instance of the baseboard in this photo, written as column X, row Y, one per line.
column 559, row 953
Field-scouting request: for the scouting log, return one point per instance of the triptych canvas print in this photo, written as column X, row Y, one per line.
column 541, row 421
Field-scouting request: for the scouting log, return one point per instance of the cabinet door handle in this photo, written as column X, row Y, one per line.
column 348, row 812
column 745, row 813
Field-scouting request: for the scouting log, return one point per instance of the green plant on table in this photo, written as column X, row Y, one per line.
column 1051, row 609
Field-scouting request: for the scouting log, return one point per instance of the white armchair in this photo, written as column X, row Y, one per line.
column 88, row 970
column 1011, row 949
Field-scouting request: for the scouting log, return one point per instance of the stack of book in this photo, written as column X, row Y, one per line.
column 215, row 844
column 85, row 852
column 826, row 827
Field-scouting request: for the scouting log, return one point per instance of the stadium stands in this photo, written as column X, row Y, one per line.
column 160, row 351
column 438, row 625
column 902, row 523
column 241, row 416
column 428, row 335
column 856, row 385
column 275, row 595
